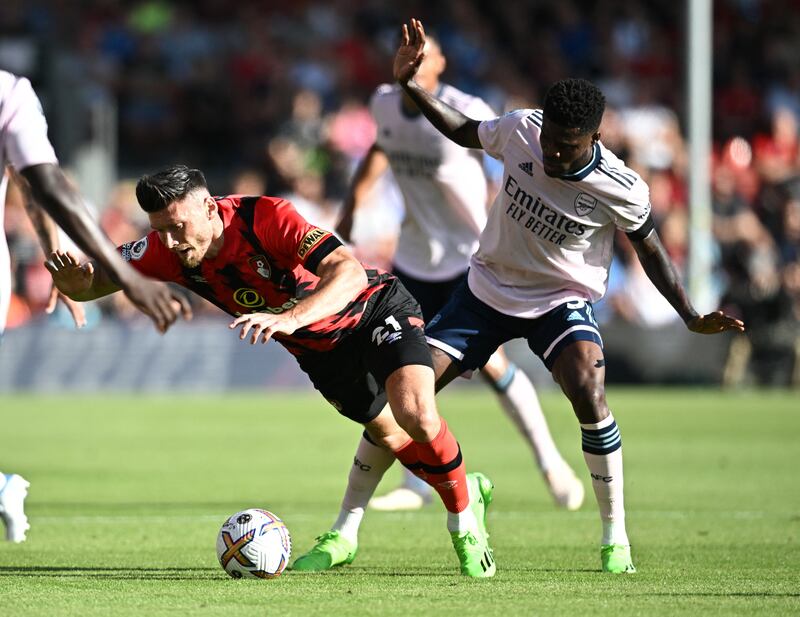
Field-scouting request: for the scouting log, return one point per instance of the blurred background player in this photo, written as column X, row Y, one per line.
column 444, row 189
column 544, row 257
column 25, row 146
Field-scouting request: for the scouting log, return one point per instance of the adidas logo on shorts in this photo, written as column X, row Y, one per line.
column 575, row 316
column 527, row 168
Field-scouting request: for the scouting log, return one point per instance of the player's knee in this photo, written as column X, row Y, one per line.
column 496, row 367
column 428, row 423
column 588, row 400
column 392, row 441
column 421, row 423
column 500, row 382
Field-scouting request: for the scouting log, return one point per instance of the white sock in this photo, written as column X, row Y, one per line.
column 462, row 521
column 369, row 465
column 2, row 480
column 602, row 450
column 518, row 399
column 416, row 484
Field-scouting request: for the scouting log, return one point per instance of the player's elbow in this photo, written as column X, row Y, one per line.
column 356, row 275
column 44, row 179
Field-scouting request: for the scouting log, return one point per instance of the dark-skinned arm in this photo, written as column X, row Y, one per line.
column 663, row 274
column 52, row 191
column 47, row 232
column 80, row 281
column 454, row 125
column 450, row 122
column 371, row 167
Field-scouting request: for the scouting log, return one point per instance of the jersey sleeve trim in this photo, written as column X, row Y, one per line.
column 625, row 180
column 321, row 251
column 501, row 129
column 643, row 231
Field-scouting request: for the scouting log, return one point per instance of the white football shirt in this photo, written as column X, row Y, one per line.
column 23, row 143
column 549, row 240
column 443, row 185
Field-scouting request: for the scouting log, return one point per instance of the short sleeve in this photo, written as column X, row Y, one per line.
column 630, row 214
column 151, row 258
column 289, row 237
column 26, row 141
column 495, row 133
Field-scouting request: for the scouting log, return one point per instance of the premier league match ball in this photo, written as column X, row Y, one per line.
column 254, row 544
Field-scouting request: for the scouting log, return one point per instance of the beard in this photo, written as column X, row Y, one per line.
column 197, row 251
column 190, row 258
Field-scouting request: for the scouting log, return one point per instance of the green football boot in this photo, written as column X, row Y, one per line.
column 616, row 558
column 480, row 497
column 331, row 550
column 474, row 553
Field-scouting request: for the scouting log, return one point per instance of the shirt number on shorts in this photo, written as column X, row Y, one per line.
column 380, row 334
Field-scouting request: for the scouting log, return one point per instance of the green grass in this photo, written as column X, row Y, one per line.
column 128, row 494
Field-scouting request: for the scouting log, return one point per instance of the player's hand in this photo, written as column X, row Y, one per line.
column 409, row 55
column 75, row 308
column 157, row 301
column 70, row 277
column 715, row 322
column 264, row 325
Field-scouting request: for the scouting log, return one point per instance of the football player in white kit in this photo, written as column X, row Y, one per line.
column 444, row 189
column 544, row 257
column 24, row 145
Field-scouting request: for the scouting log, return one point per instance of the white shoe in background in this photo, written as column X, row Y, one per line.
column 12, row 510
column 399, row 499
column 565, row 487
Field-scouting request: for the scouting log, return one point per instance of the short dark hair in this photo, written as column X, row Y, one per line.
column 575, row 104
column 172, row 184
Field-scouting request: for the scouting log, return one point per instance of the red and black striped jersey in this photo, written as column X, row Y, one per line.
column 267, row 264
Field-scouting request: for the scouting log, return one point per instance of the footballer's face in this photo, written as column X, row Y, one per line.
column 564, row 150
column 187, row 227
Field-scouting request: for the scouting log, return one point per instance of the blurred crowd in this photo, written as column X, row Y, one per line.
column 271, row 97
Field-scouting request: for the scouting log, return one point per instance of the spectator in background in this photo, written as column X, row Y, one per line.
column 756, row 290
column 286, row 86
column 249, row 181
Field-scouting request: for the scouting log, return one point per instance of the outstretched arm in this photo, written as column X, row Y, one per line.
column 451, row 123
column 47, row 232
column 661, row 271
column 372, row 166
column 53, row 192
column 81, row 282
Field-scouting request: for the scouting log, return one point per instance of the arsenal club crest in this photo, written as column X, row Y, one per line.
column 585, row 204
column 261, row 266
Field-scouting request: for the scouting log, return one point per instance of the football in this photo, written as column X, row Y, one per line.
column 254, row 543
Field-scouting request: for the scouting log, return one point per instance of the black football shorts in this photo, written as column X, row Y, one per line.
column 352, row 375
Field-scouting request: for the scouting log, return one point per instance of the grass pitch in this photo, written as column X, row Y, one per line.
column 128, row 492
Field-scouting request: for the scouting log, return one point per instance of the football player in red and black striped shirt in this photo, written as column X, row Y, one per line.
column 355, row 331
